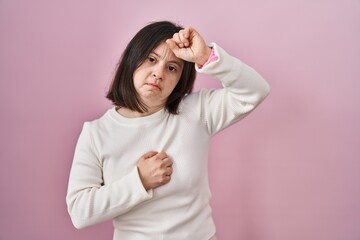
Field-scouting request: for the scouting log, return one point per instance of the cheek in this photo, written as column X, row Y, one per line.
column 138, row 77
column 135, row 82
column 177, row 78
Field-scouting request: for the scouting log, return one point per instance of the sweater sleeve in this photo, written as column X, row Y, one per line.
column 89, row 201
column 243, row 90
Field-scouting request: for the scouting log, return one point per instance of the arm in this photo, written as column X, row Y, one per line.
column 244, row 89
column 89, row 201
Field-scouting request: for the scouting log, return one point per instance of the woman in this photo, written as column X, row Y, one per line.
column 144, row 162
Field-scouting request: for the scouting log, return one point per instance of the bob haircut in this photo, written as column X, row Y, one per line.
column 122, row 92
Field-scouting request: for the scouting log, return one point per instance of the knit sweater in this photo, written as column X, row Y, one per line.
column 104, row 181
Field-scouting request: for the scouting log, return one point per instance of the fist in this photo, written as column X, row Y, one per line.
column 188, row 45
column 155, row 169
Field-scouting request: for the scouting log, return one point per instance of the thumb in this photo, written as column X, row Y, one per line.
column 172, row 45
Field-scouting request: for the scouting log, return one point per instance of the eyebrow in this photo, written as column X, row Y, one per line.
column 171, row 61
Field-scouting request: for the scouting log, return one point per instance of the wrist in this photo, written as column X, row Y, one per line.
column 204, row 57
column 144, row 183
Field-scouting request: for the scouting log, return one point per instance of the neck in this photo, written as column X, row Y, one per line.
column 134, row 114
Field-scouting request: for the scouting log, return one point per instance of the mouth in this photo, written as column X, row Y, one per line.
column 153, row 86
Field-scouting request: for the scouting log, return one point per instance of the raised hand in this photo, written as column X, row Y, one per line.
column 155, row 169
column 188, row 45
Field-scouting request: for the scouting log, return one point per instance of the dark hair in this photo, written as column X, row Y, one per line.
column 122, row 91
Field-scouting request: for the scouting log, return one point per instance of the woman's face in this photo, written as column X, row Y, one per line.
column 157, row 76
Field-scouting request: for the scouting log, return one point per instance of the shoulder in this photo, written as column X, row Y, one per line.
column 194, row 102
column 99, row 123
column 193, row 99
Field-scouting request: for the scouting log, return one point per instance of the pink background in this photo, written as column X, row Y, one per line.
column 290, row 170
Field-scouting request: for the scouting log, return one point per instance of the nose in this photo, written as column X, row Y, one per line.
column 158, row 72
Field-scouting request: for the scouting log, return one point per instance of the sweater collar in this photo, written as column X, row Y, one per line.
column 136, row 121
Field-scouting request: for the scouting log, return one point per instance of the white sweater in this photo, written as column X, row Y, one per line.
column 104, row 182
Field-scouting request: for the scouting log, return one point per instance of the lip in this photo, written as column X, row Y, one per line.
column 153, row 86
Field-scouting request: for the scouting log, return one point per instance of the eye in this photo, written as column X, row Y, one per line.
column 151, row 59
column 172, row 68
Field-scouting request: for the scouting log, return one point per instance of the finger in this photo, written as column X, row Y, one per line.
column 177, row 39
column 187, row 32
column 165, row 179
column 172, row 44
column 149, row 154
column 183, row 35
column 174, row 47
column 161, row 155
column 167, row 162
column 169, row 171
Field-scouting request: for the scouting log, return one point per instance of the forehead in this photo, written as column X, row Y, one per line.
column 165, row 53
